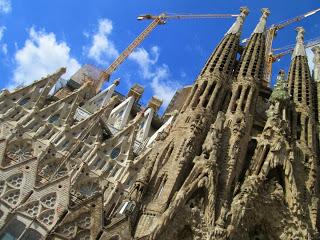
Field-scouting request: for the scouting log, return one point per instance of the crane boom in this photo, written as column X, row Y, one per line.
column 271, row 33
column 105, row 75
column 308, row 44
column 186, row 16
column 295, row 19
column 157, row 20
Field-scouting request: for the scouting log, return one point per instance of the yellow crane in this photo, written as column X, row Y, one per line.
column 271, row 33
column 157, row 20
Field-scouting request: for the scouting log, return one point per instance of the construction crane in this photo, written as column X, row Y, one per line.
column 157, row 20
column 289, row 49
column 271, row 33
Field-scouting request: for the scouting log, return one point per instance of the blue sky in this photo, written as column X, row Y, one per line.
column 37, row 37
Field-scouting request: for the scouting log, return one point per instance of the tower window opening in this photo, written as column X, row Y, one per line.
column 24, row 101
column 238, row 93
column 54, row 118
column 211, row 89
column 160, row 185
column 66, row 144
column 264, row 157
column 167, row 154
column 298, row 126
column 187, row 119
column 58, row 139
column 115, row 152
column 115, row 171
column 206, row 66
column 203, row 87
column 306, row 122
column 223, row 102
column 243, row 104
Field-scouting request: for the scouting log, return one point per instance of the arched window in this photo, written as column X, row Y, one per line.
column 17, row 230
column 89, row 189
column 115, row 152
column 54, row 118
column 13, row 230
column 17, row 152
column 31, row 234
column 24, row 101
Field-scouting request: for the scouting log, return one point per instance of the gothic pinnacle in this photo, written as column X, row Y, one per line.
column 237, row 26
column 260, row 28
column 316, row 52
column 316, row 61
column 299, row 49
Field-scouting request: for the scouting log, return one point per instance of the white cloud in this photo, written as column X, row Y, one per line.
column 183, row 74
column 2, row 29
column 5, row 6
column 42, row 54
column 145, row 60
column 161, row 84
column 4, row 49
column 3, row 46
column 102, row 49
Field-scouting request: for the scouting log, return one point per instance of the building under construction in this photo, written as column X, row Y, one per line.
column 230, row 158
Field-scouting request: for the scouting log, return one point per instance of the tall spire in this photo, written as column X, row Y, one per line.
column 261, row 26
column 224, row 56
column 252, row 60
column 217, row 73
column 237, row 26
column 299, row 78
column 299, row 49
column 301, row 89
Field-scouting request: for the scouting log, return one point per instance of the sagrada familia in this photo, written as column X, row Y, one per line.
column 230, row 159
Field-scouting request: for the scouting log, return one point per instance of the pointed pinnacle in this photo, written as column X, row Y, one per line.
column 260, row 28
column 300, row 35
column 299, row 49
column 237, row 25
column 316, row 52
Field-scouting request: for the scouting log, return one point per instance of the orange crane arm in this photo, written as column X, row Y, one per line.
column 157, row 20
column 105, row 75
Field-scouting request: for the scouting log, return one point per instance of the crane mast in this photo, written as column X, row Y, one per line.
column 271, row 33
column 157, row 20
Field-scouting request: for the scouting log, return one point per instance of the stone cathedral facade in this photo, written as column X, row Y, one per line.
column 230, row 158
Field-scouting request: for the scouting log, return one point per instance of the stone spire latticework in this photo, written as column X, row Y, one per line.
column 223, row 58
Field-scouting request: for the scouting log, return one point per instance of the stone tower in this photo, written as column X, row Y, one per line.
column 304, row 125
column 157, row 185
column 281, row 181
